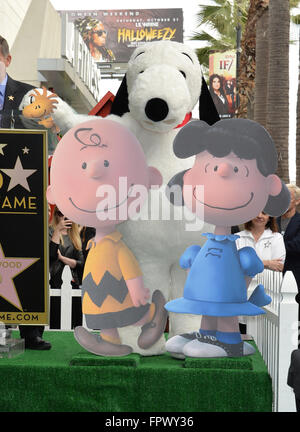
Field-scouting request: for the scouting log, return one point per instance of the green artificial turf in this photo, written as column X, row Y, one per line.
column 67, row 378
column 219, row 363
column 86, row 359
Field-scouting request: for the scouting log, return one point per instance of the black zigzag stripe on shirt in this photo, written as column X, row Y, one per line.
column 108, row 285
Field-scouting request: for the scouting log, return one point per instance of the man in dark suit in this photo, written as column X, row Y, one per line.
column 11, row 91
column 11, row 94
column 294, row 376
column 289, row 226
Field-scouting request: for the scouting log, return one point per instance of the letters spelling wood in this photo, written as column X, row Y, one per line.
column 23, row 227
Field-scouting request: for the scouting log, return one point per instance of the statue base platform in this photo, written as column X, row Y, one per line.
column 10, row 347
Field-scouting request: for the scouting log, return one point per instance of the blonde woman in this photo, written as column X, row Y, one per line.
column 65, row 248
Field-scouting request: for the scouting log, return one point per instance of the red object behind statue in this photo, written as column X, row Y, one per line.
column 103, row 108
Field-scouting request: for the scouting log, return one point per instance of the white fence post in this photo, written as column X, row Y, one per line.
column 288, row 341
column 66, row 299
column 66, row 294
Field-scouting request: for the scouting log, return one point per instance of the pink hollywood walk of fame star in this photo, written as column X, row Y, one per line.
column 9, row 268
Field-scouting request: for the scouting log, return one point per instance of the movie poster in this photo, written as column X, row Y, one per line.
column 112, row 35
column 222, row 82
column 24, row 221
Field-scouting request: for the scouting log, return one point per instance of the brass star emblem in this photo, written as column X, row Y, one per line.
column 1, row 148
column 11, row 97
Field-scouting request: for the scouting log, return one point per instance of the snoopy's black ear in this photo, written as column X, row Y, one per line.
column 120, row 103
column 207, row 109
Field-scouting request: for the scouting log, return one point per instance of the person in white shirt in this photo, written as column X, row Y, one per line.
column 262, row 234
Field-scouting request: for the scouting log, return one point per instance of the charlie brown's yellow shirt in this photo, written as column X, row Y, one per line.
column 108, row 266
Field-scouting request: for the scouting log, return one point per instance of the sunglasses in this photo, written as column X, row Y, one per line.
column 100, row 32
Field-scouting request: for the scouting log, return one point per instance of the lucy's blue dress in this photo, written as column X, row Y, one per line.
column 216, row 284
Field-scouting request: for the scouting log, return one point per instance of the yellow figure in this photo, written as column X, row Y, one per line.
column 41, row 106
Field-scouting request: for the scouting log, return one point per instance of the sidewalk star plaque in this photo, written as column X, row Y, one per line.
column 23, row 227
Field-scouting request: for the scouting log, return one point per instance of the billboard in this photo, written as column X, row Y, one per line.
column 222, row 82
column 112, row 35
column 24, row 221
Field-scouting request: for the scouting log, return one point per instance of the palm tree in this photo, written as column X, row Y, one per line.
column 260, row 67
column 296, row 19
column 218, row 26
column 246, row 71
column 278, row 82
column 262, row 58
column 298, row 129
column 262, row 62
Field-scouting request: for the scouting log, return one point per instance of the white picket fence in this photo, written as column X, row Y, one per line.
column 66, row 293
column 275, row 333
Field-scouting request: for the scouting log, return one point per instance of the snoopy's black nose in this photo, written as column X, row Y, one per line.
column 156, row 109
